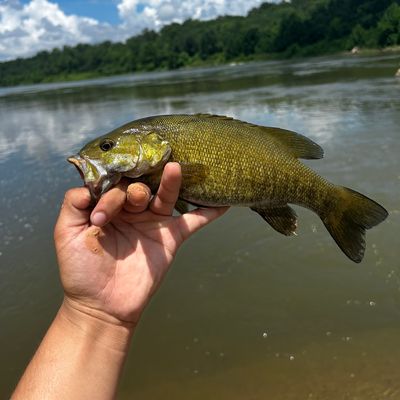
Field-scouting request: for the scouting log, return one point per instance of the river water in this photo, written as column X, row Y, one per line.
column 245, row 313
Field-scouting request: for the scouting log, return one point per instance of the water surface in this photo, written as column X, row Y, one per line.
column 245, row 313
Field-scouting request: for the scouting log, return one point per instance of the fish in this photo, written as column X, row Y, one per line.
column 228, row 162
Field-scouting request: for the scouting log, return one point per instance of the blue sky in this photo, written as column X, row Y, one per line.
column 102, row 10
column 29, row 26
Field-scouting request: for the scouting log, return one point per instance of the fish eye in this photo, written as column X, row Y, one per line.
column 107, row 144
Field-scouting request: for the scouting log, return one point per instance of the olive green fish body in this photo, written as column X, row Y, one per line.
column 229, row 162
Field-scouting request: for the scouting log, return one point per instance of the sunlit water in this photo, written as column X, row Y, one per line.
column 245, row 313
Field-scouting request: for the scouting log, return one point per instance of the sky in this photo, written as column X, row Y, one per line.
column 29, row 26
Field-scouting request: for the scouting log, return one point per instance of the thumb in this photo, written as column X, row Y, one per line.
column 74, row 210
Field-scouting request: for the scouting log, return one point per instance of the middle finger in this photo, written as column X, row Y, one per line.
column 138, row 196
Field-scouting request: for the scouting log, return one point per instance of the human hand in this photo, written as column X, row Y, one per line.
column 113, row 258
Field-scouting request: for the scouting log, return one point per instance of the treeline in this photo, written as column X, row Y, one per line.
column 301, row 27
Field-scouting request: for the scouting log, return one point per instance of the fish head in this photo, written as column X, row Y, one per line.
column 105, row 160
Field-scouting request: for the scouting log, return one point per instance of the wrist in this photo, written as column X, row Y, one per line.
column 81, row 357
column 101, row 328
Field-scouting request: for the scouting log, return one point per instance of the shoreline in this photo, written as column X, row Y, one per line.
column 373, row 51
column 215, row 62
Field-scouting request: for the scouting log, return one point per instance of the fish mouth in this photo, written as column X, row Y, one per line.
column 95, row 177
column 77, row 161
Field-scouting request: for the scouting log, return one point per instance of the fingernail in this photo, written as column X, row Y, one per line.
column 99, row 218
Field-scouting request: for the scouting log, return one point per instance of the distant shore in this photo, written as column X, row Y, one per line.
column 75, row 77
column 272, row 31
column 373, row 51
column 241, row 60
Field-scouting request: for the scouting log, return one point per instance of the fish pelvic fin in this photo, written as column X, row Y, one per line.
column 282, row 218
column 350, row 215
column 182, row 206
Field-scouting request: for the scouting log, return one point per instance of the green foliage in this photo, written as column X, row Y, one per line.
column 361, row 37
column 286, row 29
column 389, row 26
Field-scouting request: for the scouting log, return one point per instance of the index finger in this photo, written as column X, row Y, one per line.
column 109, row 205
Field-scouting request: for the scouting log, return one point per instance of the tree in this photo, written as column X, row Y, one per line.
column 389, row 26
column 306, row 27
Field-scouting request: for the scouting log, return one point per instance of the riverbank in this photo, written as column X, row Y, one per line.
column 374, row 51
column 218, row 61
column 271, row 31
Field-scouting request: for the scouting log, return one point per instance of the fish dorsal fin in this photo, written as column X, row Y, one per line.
column 226, row 118
column 215, row 116
column 299, row 145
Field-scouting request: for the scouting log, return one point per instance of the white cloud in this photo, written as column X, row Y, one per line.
column 42, row 25
column 153, row 14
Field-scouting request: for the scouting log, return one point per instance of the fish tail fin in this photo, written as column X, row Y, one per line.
column 350, row 215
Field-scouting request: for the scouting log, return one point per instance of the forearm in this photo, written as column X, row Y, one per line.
column 81, row 357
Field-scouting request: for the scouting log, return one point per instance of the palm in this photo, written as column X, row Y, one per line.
column 116, row 268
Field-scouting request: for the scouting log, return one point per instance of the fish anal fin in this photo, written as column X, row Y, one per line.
column 299, row 145
column 282, row 218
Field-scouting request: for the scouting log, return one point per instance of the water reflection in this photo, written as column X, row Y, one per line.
column 332, row 327
column 58, row 117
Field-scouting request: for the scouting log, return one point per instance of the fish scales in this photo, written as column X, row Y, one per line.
column 246, row 166
column 227, row 162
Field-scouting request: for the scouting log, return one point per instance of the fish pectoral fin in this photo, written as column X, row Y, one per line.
column 193, row 173
column 299, row 145
column 182, row 206
column 282, row 218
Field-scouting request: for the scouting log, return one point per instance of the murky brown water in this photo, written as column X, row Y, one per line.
column 245, row 313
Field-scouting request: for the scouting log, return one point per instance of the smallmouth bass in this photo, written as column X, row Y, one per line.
column 227, row 162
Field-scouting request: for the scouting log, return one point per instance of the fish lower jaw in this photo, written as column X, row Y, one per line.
column 99, row 187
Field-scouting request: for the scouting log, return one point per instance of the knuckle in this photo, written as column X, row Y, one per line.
column 135, row 209
column 113, row 197
column 165, row 199
column 77, row 197
column 69, row 195
column 170, row 190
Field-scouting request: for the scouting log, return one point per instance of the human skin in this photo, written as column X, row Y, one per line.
column 112, row 259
